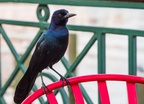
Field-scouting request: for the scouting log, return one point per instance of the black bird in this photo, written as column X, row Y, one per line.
column 49, row 50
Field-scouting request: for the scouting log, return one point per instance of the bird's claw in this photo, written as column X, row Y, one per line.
column 45, row 89
column 64, row 79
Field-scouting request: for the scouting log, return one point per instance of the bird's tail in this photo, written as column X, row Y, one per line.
column 25, row 85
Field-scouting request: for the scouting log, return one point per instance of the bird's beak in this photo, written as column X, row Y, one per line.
column 68, row 15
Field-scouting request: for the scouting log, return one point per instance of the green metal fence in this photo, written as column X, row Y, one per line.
column 99, row 35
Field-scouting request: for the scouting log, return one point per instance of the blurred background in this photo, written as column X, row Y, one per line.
column 116, row 45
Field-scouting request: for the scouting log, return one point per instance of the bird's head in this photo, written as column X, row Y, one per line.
column 60, row 17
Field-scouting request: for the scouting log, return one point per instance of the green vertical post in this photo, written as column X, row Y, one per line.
column 0, row 64
column 101, row 53
column 72, row 55
column 2, row 101
column 133, row 66
column 132, row 55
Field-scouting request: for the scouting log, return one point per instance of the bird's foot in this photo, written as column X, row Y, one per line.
column 45, row 88
column 63, row 79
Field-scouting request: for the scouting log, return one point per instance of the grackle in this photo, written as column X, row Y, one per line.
column 50, row 48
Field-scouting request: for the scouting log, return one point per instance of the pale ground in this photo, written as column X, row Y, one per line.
column 116, row 45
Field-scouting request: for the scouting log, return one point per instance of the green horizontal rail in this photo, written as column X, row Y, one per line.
column 92, row 3
column 44, row 25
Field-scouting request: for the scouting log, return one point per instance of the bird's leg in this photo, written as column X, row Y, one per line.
column 43, row 84
column 61, row 77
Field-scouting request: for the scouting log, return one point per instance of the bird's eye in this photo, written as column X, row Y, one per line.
column 60, row 15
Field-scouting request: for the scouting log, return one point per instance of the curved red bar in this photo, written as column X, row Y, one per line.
column 100, row 78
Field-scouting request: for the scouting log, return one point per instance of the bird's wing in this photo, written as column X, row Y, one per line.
column 39, row 52
column 41, row 39
column 45, row 51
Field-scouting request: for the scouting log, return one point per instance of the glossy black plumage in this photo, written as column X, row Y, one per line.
column 49, row 49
